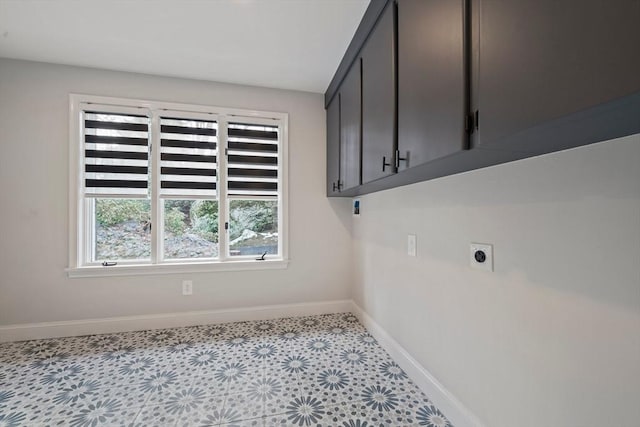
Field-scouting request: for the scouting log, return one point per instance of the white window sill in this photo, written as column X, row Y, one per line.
column 143, row 270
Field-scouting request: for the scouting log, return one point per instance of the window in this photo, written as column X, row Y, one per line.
column 161, row 187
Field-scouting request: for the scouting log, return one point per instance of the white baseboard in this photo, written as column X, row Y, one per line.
column 31, row 331
column 450, row 406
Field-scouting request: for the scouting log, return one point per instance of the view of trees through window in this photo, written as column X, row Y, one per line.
column 253, row 227
column 123, row 228
column 190, row 228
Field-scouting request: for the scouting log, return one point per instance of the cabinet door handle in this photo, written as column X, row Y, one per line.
column 401, row 159
column 384, row 163
column 334, row 186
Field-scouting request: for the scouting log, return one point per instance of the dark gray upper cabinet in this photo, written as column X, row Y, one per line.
column 432, row 85
column 350, row 127
column 479, row 83
column 536, row 61
column 333, row 146
column 378, row 99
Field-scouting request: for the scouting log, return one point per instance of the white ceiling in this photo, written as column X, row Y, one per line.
column 289, row 44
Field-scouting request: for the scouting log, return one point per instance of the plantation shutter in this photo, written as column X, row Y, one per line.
column 116, row 154
column 252, row 165
column 188, row 163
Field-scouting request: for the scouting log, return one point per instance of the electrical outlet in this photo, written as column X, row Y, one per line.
column 187, row 287
column 481, row 256
column 411, row 245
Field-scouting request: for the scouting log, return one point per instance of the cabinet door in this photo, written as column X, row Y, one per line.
column 432, row 82
column 333, row 146
column 350, row 127
column 539, row 60
column 378, row 99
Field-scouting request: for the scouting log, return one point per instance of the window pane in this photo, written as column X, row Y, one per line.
column 122, row 229
column 190, row 229
column 253, row 227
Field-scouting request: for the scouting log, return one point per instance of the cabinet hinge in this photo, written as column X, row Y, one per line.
column 468, row 126
column 471, row 124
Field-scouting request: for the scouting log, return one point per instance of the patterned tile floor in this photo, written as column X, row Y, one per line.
column 306, row 371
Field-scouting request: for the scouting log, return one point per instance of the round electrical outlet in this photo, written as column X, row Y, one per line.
column 480, row 256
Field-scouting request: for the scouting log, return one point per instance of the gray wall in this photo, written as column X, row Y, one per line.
column 552, row 337
column 34, row 166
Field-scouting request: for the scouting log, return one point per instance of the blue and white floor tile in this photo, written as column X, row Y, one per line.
column 307, row 371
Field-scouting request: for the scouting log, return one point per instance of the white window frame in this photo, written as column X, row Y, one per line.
column 79, row 205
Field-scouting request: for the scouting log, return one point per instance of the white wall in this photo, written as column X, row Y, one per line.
column 34, row 203
column 552, row 337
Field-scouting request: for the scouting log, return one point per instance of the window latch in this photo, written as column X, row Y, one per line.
column 262, row 257
column 108, row 264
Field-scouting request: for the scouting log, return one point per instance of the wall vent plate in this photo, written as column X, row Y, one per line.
column 481, row 256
